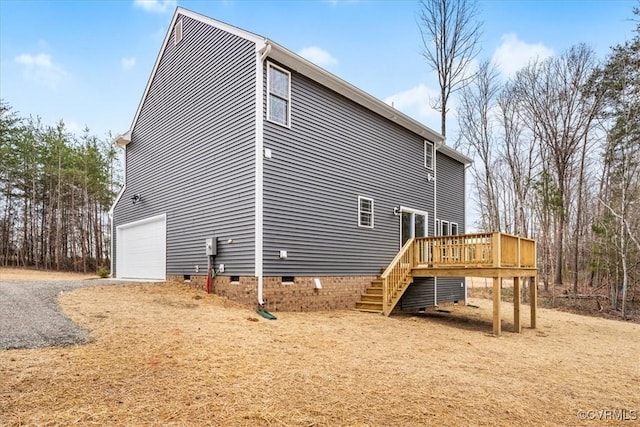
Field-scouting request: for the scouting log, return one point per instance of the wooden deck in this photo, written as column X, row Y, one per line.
column 495, row 255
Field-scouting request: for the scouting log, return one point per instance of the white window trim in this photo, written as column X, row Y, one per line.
column 360, row 198
column 414, row 212
column 451, row 224
column 455, row 253
column 428, row 145
column 444, row 224
column 272, row 65
column 178, row 32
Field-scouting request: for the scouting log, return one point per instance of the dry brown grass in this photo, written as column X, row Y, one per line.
column 22, row 275
column 172, row 355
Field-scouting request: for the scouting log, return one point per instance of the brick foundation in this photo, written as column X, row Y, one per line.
column 336, row 292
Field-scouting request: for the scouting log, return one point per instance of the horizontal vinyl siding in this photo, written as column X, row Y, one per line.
column 420, row 294
column 450, row 192
column 451, row 207
column 192, row 151
column 334, row 152
column 450, row 289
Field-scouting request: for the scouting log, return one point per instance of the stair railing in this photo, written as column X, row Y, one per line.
column 397, row 276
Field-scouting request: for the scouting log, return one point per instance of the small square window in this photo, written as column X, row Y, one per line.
column 428, row 155
column 365, row 212
column 278, row 95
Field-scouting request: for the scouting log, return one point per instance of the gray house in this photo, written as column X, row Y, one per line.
column 306, row 185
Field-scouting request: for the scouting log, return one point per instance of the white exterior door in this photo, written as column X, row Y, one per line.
column 141, row 249
column 413, row 223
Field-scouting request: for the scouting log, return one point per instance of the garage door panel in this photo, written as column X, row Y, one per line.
column 141, row 249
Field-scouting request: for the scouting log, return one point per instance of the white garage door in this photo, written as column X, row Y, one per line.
column 141, row 249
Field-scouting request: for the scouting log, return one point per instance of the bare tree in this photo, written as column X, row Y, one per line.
column 560, row 113
column 521, row 157
column 450, row 32
column 476, row 129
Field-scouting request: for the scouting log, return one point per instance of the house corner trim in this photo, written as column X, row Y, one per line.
column 261, row 52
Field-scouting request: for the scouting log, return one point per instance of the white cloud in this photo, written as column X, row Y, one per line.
column 41, row 69
column 318, row 56
column 156, row 6
column 513, row 54
column 416, row 102
column 128, row 63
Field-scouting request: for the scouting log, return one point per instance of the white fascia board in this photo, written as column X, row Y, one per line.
column 299, row 64
column 456, row 155
column 247, row 35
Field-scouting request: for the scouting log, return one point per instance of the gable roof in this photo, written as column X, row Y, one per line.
column 300, row 65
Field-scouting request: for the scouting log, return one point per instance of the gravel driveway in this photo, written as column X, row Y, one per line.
column 30, row 316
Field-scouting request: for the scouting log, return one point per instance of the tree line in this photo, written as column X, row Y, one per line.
column 56, row 189
column 557, row 158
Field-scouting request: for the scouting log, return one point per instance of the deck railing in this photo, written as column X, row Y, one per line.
column 484, row 250
column 476, row 250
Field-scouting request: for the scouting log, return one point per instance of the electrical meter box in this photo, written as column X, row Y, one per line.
column 211, row 245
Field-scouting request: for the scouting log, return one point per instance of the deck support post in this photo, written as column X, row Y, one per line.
column 497, row 327
column 533, row 296
column 516, row 305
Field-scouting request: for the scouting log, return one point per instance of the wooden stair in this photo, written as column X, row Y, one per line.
column 371, row 299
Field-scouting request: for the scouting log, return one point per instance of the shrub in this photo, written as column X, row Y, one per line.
column 103, row 272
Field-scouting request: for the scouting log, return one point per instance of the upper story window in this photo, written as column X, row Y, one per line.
column 428, row 155
column 278, row 95
column 365, row 212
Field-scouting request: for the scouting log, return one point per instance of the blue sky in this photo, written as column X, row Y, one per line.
column 87, row 62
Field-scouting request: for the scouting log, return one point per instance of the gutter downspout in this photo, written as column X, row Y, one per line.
column 261, row 55
column 466, row 286
column 436, row 148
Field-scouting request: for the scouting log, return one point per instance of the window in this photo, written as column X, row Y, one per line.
column 444, row 230
column 454, row 229
column 428, row 155
column 365, row 212
column 413, row 223
column 278, row 95
column 455, row 253
column 177, row 35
